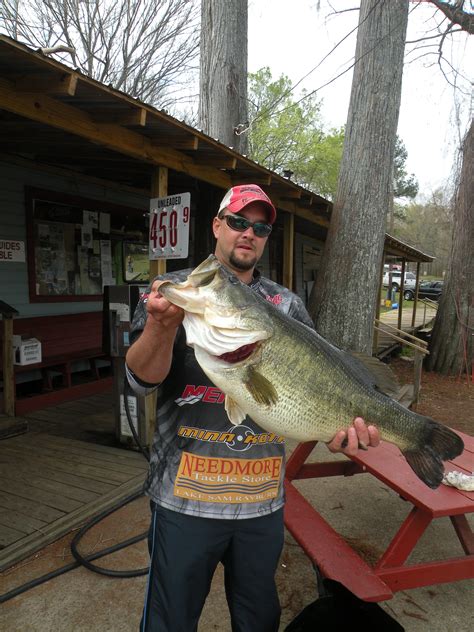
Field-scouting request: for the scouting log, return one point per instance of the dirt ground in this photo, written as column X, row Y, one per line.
column 361, row 509
column 444, row 398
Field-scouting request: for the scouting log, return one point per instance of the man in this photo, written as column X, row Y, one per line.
column 208, row 503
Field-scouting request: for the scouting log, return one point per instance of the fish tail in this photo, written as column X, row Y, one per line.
column 437, row 443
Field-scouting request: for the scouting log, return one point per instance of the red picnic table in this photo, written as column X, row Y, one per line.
column 337, row 560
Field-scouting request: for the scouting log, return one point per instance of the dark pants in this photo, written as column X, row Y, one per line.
column 184, row 553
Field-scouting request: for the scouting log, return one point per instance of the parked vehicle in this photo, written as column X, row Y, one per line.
column 426, row 289
column 394, row 266
column 410, row 280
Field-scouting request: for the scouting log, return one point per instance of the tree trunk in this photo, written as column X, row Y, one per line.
column 343, row 302
column 223, row 78
column 452, row 342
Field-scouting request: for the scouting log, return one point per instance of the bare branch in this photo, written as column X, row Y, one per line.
column 337, row 12
column 423, row 39
column 456, row 14
column 145, row 47
column 440, row 47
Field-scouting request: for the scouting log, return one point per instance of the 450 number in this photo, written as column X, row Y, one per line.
column 165, row 229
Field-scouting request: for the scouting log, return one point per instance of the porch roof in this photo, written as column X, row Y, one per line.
column 55, row 115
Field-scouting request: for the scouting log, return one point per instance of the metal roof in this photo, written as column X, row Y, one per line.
column 400, row 249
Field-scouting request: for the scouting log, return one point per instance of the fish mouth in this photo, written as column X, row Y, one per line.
column 239, row 355
column 226, row 345
column 183, row 295
column 189, row 294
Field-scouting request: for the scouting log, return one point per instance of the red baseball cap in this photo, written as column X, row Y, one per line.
column 240, row 196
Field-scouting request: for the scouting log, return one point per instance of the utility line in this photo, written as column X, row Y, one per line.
column 306, row 96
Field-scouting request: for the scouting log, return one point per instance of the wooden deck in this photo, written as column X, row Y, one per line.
column 52, row 480
column 424, row 316
column 68, row 467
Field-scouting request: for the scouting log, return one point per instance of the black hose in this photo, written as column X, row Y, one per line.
column 69, row 567
column 80, row 534
column 127, row 388
column 86, row 561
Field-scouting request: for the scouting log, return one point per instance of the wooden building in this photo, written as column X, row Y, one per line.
column 79, row 162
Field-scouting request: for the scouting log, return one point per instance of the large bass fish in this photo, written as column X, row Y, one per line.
column 290, row 380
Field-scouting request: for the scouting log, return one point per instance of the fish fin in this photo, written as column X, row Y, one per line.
column 438, row 443
column 234, row 412
column 260, row 388
column 382, row 375
column 427, row 465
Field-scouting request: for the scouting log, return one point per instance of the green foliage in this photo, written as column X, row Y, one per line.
column 404, row 185
column 428, row 227
column 289, row 135
column 407, row 352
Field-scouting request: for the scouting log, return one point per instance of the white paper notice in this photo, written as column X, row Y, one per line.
column 86, row 237
column 106, row 262
column 104, row 223
column 90, row 218
column 105, row 248
column 94, row 219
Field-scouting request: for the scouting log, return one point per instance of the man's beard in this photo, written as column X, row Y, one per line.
column 240, row 264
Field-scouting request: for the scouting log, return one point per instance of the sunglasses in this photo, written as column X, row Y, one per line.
column 240, row 224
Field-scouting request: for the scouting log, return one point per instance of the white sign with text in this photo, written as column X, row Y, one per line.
column 11, row 250
column 169, row 226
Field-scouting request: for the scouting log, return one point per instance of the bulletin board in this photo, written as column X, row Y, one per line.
column 71, row 244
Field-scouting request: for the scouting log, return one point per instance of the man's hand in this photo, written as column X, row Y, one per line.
column 161, row 311
column 151, row 354
column 357, row 436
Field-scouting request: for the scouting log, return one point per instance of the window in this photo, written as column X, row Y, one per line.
column 136, row 262
column 75, row 245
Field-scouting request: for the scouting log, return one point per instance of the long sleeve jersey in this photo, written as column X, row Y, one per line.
column 200, row 463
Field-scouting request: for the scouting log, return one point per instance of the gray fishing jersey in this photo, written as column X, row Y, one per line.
column 200, row 463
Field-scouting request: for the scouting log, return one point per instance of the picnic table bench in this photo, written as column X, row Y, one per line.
column 337, row 560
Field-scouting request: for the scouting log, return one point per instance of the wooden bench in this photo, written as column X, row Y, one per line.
column 65, row 340
column 338, row 561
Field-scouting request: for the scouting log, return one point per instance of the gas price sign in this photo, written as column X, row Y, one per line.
column 169, row 226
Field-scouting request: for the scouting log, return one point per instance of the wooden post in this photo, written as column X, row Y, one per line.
column 415, row 299
column 417, row 366
column 375, row 339
column 400, row 298
column 159, row 188
column 288, row 249
column 8, row 370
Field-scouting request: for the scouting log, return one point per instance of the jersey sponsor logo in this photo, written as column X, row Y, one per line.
column 193, row 394
column 276, row 300
column 237, row 438
column 221, row 480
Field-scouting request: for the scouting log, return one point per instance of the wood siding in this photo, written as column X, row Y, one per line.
column 14, row 276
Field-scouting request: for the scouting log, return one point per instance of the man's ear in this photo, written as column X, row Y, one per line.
column 216, row 222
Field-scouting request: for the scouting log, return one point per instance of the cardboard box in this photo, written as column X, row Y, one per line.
column 26, row 350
